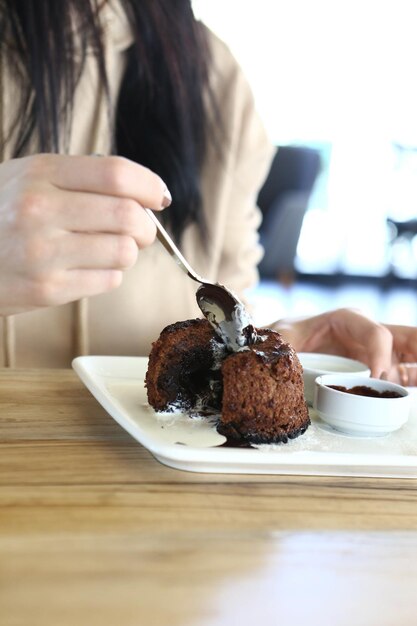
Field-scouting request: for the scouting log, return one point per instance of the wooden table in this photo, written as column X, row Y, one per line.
column 94, row 531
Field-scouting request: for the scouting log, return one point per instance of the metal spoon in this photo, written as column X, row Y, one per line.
column 219, row 305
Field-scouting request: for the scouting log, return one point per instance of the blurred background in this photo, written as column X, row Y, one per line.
column 334, row 84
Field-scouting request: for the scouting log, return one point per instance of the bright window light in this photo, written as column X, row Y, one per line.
column 341, row 75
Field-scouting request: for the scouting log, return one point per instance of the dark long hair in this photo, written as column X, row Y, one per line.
column 161, row 119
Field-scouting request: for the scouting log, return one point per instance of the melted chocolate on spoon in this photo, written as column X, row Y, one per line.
column 227, row 315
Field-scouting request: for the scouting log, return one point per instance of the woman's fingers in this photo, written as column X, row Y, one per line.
column 405, row 342
column 61, row 269
column 81, row 251
column 377, row 351
column 69, row 226
column 404, row 361
column 61, row 287
column 112, row 176
column 86, row 212
column 363, row 339
column 345, row 332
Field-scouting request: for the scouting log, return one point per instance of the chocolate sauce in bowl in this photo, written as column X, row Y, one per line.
column 363, row 390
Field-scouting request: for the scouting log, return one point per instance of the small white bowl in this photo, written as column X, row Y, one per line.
column 315, row 364
column 360, row 415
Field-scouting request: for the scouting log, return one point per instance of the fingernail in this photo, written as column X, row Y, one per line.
column 166, row 198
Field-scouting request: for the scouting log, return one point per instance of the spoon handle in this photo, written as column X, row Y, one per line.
column 170, row 246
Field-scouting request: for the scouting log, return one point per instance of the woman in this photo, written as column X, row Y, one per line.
column 143, row 80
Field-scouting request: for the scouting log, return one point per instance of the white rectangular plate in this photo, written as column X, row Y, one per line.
column 193, row 444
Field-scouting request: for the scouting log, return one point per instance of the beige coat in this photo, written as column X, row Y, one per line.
column 155, row 292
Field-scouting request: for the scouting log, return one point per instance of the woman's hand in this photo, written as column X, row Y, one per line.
column 404, row 355
column 71, row 225
column 349, row 333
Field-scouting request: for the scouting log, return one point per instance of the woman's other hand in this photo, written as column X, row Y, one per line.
column 347, row 332
column 404, row 355
column 71, row 225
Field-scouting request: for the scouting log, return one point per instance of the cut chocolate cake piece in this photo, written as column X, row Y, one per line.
column 257, row 391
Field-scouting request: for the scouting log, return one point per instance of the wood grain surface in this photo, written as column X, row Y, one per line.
column 93, row 530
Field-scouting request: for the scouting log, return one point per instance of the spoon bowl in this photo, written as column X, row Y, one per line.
column 225, row 312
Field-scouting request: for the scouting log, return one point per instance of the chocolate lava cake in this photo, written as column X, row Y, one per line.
column 258, row 391
column 184, row 368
